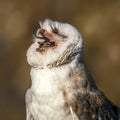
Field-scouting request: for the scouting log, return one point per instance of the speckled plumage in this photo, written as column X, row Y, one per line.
column 62, row 88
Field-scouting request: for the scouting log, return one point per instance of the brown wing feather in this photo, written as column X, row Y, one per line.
column 91, row 104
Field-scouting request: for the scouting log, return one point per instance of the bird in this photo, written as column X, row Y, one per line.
column 62, row 88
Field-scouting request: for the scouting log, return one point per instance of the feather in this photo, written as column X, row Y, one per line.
column 62, row 88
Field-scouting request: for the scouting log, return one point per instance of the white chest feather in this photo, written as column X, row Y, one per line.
column 48, row 101
column 46, row 81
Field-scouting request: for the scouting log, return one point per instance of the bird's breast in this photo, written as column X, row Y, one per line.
column 48, row 88
column 48, row 81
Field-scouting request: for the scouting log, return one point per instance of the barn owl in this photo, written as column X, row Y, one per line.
column 62, row 88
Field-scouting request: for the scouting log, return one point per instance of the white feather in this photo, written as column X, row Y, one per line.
column 47, row 97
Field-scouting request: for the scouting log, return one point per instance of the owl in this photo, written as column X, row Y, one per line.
column 62, row 88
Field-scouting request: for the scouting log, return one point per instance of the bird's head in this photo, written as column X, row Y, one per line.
column 54, row 44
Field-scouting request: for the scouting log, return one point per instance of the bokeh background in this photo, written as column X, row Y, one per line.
column 99, row 23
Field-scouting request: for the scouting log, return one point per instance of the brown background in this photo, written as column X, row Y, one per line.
column 99, row 23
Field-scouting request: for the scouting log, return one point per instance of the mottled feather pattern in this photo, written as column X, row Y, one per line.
column 62, row 87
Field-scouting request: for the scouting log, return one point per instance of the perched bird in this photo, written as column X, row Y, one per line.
column 62, row 88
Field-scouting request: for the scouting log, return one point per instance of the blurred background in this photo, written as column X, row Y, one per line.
column 97, row 20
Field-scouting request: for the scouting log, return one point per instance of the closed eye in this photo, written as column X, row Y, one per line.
column 36, row 31
column 56, row 31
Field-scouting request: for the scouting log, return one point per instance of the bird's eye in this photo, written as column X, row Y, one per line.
column 41, row 31
column 55, row 30
column 36, row 31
